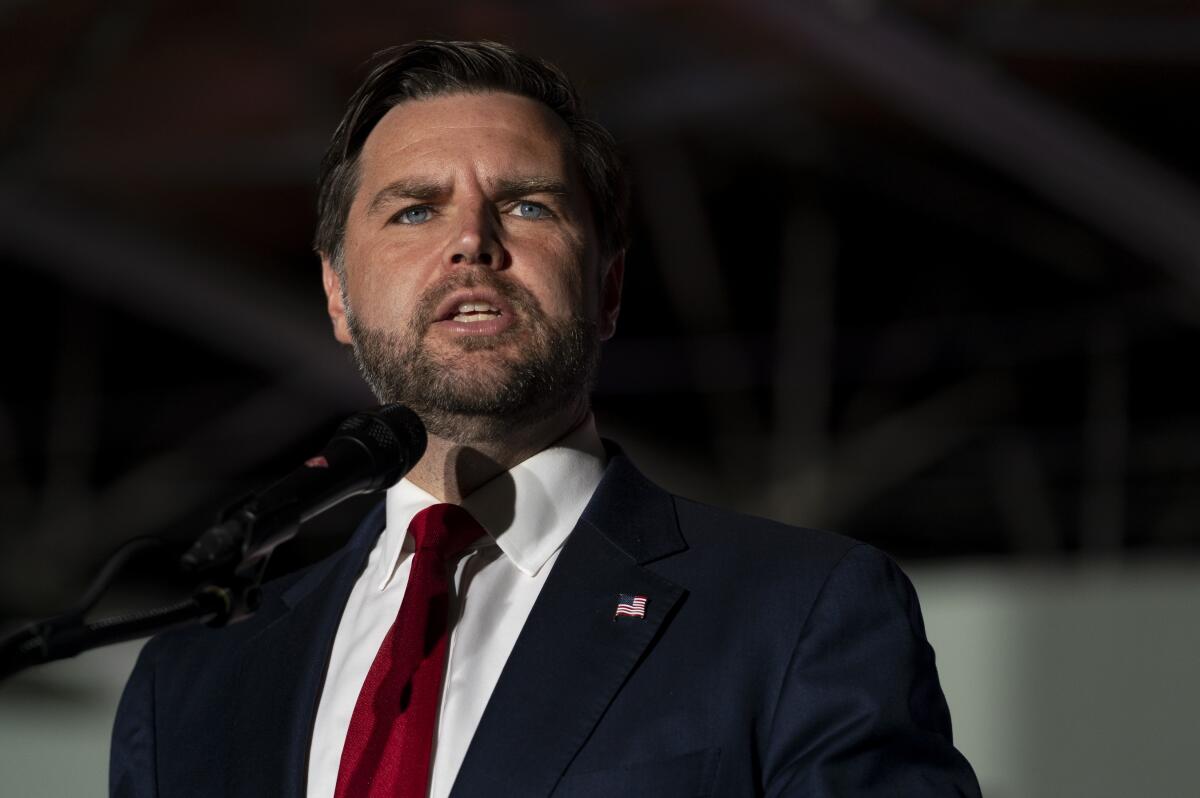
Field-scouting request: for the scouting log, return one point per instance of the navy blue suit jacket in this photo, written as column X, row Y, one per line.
column 771, row 661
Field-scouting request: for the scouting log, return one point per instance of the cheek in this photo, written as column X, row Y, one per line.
column 554, row 272
column 384, row 278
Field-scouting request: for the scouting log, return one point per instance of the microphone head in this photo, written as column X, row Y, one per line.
column 394, row 437
column 370, row 451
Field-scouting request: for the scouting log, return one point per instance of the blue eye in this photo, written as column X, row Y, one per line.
column 415, row 215
column 531, row 210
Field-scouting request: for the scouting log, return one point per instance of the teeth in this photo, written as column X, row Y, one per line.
column 477, row 307
column 476, row 311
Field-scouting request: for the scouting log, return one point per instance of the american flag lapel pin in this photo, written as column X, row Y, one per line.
column 630, row 606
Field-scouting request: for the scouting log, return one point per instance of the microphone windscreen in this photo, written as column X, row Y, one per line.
column 393, row 434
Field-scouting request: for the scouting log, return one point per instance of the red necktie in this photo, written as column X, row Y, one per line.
column 390, row 739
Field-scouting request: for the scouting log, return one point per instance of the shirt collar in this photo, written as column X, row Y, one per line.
column 528, row 511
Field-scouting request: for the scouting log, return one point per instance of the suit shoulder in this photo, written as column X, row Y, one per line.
column 758, row 556
column 723, row 546
column 704, row 524
column 763, row 553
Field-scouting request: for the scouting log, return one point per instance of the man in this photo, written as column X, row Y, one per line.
column 587, row 634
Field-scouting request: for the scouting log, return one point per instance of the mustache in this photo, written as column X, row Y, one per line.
column 515, row 294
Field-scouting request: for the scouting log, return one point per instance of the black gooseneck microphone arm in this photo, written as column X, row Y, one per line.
column 370, row 452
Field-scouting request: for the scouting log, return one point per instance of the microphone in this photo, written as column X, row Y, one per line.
column 370, row 452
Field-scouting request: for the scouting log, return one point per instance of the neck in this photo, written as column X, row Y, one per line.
column 451, row 469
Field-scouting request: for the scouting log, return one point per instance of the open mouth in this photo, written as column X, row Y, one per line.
column 474, row 312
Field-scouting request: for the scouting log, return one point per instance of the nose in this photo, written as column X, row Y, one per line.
column 477, row 241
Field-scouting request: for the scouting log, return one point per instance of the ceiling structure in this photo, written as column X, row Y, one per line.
column 924, row 272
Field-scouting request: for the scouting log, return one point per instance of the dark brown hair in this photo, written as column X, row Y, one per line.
column 426, row 69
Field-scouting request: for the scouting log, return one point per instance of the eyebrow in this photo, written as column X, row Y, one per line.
column 424, row 190
column 519, row 187
column 419, row 189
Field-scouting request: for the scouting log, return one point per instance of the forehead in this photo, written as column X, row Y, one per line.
column 493, row 132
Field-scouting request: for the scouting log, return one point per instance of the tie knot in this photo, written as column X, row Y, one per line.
column 447, row 529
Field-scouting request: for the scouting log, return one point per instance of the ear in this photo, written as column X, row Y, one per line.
column 334, row 303
column 610, row 296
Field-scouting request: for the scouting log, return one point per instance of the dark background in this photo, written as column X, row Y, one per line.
column 922, row 272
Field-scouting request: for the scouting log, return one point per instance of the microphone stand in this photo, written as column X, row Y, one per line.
column 230, row 593
column 370, row 451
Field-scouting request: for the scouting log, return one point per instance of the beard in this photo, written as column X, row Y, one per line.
column 536, row 366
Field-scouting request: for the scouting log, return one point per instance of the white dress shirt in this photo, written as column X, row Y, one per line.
column 528, row 512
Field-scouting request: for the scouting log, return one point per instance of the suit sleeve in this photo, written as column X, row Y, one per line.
column 132, row 757
column 860, row 711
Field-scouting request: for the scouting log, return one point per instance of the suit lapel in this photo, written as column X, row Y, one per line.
column 572, row 655
column 282, row 671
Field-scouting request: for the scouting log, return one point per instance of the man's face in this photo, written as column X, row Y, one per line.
column 472, row 285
